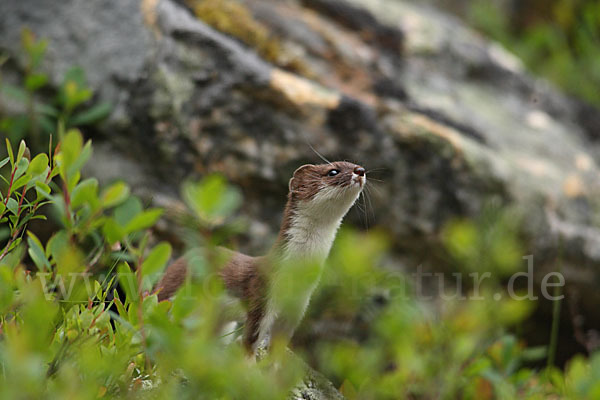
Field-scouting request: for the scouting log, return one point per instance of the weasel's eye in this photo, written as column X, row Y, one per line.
column 333, row 172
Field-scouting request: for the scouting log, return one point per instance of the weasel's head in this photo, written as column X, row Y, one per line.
column 335, row 184
column 319, row 197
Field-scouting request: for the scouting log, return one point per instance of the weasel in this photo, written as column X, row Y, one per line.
column 318, row 199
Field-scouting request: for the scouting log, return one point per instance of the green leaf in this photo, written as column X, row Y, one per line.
column 35, row 49
column 149, row 304
column 59, row 207
column 21, row 181
column 73, row 181
column 4, row 162
column 45, row 109
column 91, row 115
column 108, row 285
column 10, row 153
column 12, row 206
column 120, row 306
column 36, row 252
column 21, row 151
column 127, row 210
column 35, row 81
column 2, row 208
column 132, row 316
column 82, row 158
column 26, row 217
column 43, row 190
column 143, row 220
column 461, row 239
column 38, row 164
column 212, row 199
column 128, row 282
column 76, row 75
column 70, row 149
column 14, row 92
column 14, row 244
column 155, row 262
column 57, row 244
column 85, row 192
column 74, row 90
column 112, row 231
column 115, row 194
column 22, row 166
column 55, row 171
column 536, row 353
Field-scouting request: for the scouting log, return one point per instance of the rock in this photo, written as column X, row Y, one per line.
column 315, row 387
column 453, row 119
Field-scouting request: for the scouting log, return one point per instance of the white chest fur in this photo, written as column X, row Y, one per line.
column 309, row 238
column 315, row 222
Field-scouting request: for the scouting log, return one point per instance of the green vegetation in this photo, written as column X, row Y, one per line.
column 39, row 111
column 78, row 319
column 66, row 331
column 57, row 338
column 557, row 39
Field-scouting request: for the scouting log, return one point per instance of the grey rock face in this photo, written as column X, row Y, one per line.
column 450, row 117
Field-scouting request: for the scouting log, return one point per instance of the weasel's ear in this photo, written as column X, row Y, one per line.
column 293, row 184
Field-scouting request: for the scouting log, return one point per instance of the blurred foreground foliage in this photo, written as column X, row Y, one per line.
column 78, row 318
column 67, row 333
column 558, row 39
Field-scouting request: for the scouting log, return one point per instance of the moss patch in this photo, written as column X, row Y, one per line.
column 233, row 18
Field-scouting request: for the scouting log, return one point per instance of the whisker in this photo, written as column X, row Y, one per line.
column 370, row 186
column 317, row 153
column 362, row 209
column 368, row 199
column 377, row 169
column 376, row 180
column 366, row 212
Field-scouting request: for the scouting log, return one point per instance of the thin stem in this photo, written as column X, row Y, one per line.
column 553, row 345
column 555, row 327
column 67, row 201
column 12, row 178
column 139, row 309
column 16, row 233
column 10, row 242
column 21, row 200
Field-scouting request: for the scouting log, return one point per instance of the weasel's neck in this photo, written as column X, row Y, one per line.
column 307, row 232
column 309, row 238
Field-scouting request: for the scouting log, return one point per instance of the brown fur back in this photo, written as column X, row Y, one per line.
column 243, row 277
column 172, row 280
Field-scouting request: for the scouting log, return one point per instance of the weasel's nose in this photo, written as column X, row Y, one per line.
column 360, row 171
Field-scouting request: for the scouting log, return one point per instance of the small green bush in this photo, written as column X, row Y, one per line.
column 563, row 46
column 55, row 315
column 39, row 109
